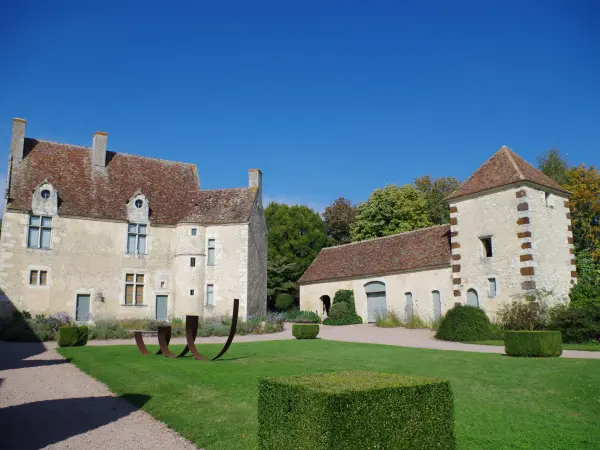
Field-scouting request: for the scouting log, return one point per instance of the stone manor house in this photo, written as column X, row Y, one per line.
column 105, row 235
column 509, row 234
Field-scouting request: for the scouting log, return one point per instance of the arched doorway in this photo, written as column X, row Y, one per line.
column 472, row 298
column 326, row 300
column 376, row 302
column 437, row 305
column 408, row 306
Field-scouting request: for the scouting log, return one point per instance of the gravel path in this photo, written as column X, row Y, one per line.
column 47, row 403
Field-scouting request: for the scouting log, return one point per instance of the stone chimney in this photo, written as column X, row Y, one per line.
column 99, row 150
column 255, row 180
column 17, row 140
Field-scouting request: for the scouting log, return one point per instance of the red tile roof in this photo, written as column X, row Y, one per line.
column 172, row 188
column 503, row 168
column 222, row 206
column 418, row 249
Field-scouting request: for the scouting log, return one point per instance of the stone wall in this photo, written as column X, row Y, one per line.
column 420, row 283
column 257, row 261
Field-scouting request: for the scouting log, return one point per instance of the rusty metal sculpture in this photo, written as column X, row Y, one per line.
column 191, row 329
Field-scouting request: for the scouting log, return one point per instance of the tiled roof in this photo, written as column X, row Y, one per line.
column 503, row 168
column 172, row 188
column 222, row 206
column 418, row 249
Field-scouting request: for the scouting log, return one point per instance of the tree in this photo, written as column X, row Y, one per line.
column 391, row 210
column 338, row 218
column 555, row 166
column 584, row 185
column 296, row 235
column 436, row 190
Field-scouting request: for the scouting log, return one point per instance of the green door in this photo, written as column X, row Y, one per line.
column 161, row 307
column 82, row 309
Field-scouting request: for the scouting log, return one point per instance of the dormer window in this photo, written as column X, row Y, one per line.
column 45, row 194
column 139, row 203
column 138, row 208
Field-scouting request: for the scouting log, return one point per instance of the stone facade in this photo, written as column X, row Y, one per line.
column 90, row 255
column 509, row 235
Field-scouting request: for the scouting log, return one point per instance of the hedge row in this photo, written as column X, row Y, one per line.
column 73, row 336
column 533, row 343
column 305, row 330
column 355, row 410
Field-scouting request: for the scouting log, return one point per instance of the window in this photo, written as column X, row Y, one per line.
column 547, row 198
column 194, row 232
column 486, row 243
column 38, row 278
column 163, row 284
column 134, row 289
column 211, row 252
column 210, row 301
column 492, row 287
column 38, row 235
column 45, row 194
column 192, row 262
column 192, row 292
column 136, row 238
column 139, row 203
column 408, row 306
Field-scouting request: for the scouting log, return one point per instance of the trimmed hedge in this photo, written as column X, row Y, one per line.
column 533, row 343
column 305, row 330
column 343, row 311
column 283, row 302
column 355, row 410
column 73, row 336
column 464, row 323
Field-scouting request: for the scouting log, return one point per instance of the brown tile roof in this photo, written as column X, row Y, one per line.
column 222, row 206
column 172, row 188
column 503, row 168
column 416, row 249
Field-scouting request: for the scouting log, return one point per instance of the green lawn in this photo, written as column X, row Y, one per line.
column 501, row 402
column 591, row 347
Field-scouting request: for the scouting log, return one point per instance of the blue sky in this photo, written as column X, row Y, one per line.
column 329, row 99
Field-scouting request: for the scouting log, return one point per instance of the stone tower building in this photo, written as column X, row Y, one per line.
column 509, row 234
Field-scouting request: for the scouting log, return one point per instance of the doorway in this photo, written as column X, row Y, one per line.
column 472, row 298
column 437, row 305
column 326, row 300
column 82, row 308
column 376, row 301
column 161, row 307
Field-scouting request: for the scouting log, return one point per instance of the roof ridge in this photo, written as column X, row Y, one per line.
column 385, row 237
column 83, row 147
column 508, row 152
column 225, row 189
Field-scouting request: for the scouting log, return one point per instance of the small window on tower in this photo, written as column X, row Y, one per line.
column 192, row 292
column 192, row 262
column 486, row 243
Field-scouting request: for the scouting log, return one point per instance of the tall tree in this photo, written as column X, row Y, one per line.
column 296, row 235
column 391, row 210
column 338, row 218
column 436, row 190
column 584, row 185
column 555, row 165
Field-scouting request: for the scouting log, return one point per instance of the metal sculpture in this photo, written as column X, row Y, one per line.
column 191, row 329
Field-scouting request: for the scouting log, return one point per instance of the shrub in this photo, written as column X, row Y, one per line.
column 464, row 323
column 496, row 331
column 576, row 324
column 345, row 296
column 306, row 317
column 305, row 330
column 350, row 319
column 584, row 294
column 72, row 336
column 528, row 314
column 338, row 310
column 533, row 343
column 352, row 410
column 112, row 329
column 388, row 319
column 283, row 302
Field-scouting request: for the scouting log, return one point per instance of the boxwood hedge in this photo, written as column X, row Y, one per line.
column 305, row 330
column 73, row 336
column 355, row 410
column 464, row 323
column 533, row 343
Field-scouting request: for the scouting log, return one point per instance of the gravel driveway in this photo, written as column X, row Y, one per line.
column 46, row 402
